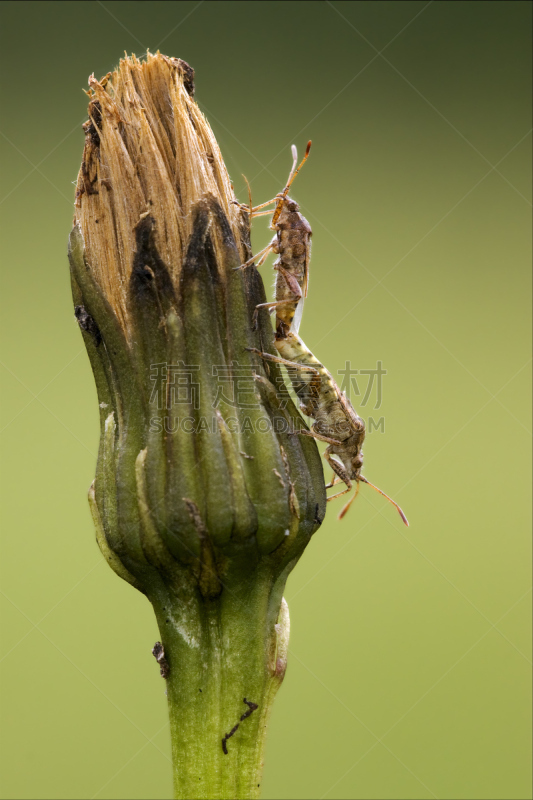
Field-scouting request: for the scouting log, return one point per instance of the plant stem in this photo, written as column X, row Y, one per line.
column 227, row 661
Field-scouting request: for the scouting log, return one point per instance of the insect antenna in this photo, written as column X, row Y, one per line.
column 386, row 496
column 294, row 152
column 292, row 175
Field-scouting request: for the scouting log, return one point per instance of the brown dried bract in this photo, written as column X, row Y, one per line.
column 148, row 147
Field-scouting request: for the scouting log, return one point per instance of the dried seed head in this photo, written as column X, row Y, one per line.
column 203, row 498
column 198, row 477
column 148, row 150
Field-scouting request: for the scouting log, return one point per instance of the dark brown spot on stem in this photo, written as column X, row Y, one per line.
column 251, row 707
column 158, row 652
column 87, row 324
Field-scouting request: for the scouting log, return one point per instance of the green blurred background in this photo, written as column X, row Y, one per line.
column 409, row 670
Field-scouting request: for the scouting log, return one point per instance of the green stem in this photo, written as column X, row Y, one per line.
column 221, row 653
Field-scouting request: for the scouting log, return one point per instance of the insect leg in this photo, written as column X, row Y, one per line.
column 263, row 253
column 333, row 482
column 284, row 361
column 275, row 303
column 270, row 307
column 244, row 207
column 317, row 436
column 344, row 510
column 261, row 213
column 291, row 281
column 339, row 470
column 263, row 205
column 249, row 208
column 339, row 494
column 343, row 475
